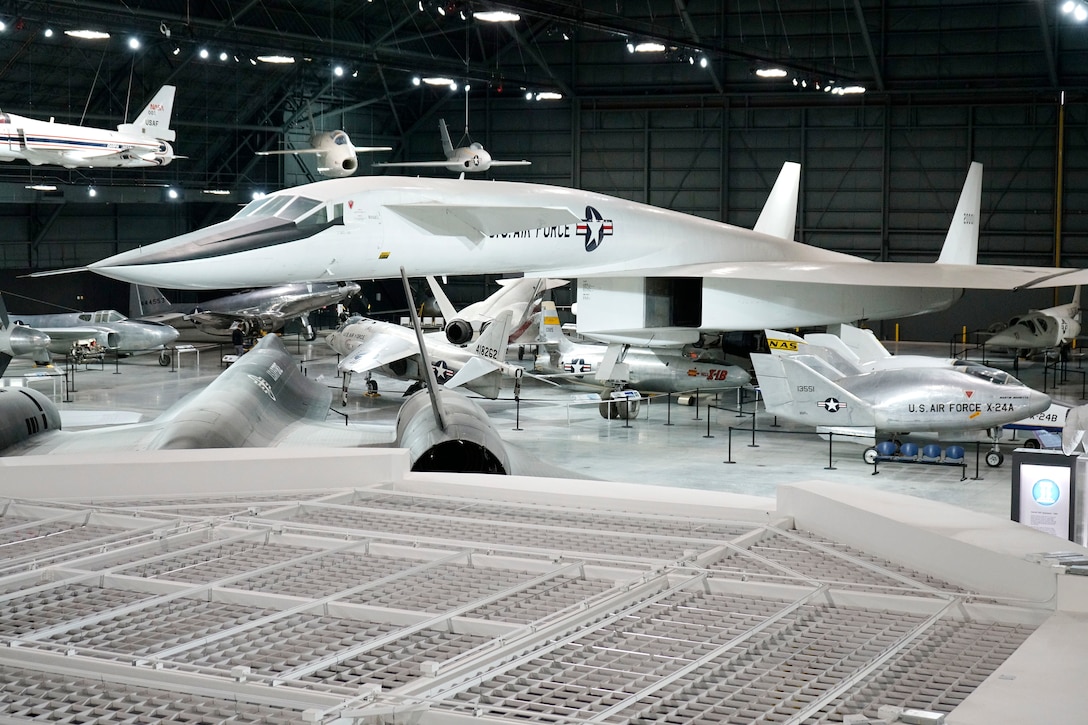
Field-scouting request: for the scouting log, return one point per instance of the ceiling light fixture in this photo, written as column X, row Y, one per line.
column 440, row 81
column 42, row 187
column 771, row 72
column 649, row 46
column 48, row 32
column 280, row 59
column 216, row 192
column 134, row 43
column 549, row 96
column 497, row 16
column 87, row 34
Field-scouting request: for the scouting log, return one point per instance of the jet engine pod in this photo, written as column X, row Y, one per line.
column 459, row 332
column 468, row 445
column 24, row 412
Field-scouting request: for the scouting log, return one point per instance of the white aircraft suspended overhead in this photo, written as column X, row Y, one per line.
column 471, row 158
column 144, row 142
column 647, row 275
column 336, row 155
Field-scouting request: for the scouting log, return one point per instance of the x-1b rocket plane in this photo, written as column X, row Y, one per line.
column 647, row 275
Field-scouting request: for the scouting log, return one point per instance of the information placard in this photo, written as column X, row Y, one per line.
column 1043, row 485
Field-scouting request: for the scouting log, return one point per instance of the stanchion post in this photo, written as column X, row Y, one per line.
column 978, row 445
column 708, row 435
column 730, row 446
column 753, row 444
column 830, row 460
column 668, row 410
column 697, row 404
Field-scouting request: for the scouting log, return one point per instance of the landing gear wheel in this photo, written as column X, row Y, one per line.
column 1031, row 443
column 164, row 358
column 343, row 398
column 994, row 459
column 372, row 388
column 311, row 334
column 619, row 410
column 870, row 455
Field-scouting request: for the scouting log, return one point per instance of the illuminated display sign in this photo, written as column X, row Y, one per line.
column 1043, row 491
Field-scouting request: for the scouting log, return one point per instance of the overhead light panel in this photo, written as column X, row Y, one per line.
column 497, row 16
column 277, row 59
column 87, row 34
column 217, row 192
column 134, row 43
column 649, row 46
column 771, row 72
column 549, row 96
column 439, row 81
column 42, row 187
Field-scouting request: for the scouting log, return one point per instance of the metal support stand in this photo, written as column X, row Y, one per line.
column 668, row 410
column 697, row 404
column 830, row 442
column 730, row 448
column 708, row 435
column 517, row 412
column 626, row 412
column 978, row 445
column 753, row 444
column 116, row 364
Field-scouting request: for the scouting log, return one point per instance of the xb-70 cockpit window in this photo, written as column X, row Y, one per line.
column 985, row 372
column 291, row 208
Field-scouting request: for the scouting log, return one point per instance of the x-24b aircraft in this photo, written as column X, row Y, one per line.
column 144, row 142
column 830, row 387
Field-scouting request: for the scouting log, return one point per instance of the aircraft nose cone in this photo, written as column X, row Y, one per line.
column 740, row 376
column 25, row 340
column 1037, row 402
column 1009, row 337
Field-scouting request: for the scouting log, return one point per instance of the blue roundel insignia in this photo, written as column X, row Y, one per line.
column 593, row 229
column 1045, row 492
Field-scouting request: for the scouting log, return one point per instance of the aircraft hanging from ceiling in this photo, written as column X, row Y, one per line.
column 336, row 155
column 261, row 310
column 471, row 158
column 1041, row 329
column 144, row 142
column 633, row 286
column 19, row 341
column 813, row 384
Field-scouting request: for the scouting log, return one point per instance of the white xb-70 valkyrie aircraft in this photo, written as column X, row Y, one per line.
column 647, row 275
column 144, row 142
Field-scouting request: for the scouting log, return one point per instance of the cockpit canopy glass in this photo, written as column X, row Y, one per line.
column 298, row 209
column 985, row 372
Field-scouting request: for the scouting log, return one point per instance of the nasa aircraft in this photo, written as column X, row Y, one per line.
column 18, row 340
column 108, row 329
column 267, row 309
column 144, row 142
column 1041, row 329
column 813, row 384
column 648, row 276
column 368, row 345
column 649, row 369
column 472, row 158
column 336, row 155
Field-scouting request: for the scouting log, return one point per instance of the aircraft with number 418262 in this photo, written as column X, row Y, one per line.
column 647, row 275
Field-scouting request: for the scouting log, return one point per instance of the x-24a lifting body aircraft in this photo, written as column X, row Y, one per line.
column 646, row 275
column 823, row 381
column 144, row 142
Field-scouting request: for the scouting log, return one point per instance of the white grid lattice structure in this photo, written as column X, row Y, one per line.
column 390, row 606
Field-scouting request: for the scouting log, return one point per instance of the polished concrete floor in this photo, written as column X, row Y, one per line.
column 717, row 445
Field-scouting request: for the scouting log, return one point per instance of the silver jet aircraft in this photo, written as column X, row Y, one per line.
column 679, row 274
column 106, row 329
column 267, row 309
column 18, row 341
column 335, row 153
column 811, row 384
column 646, row 369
